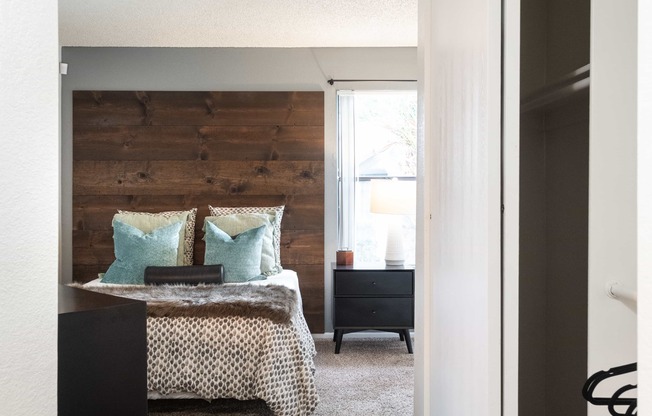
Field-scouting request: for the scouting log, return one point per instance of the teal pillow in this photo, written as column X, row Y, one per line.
column 239, row 255
column 134, row 250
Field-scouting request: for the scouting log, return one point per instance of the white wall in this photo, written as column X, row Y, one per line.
column 29, row 213
column 460, row 64
column 644, row 182
column 612, row 185
column 230, row 69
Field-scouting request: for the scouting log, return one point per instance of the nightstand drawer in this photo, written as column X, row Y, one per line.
column 374, row 312
column 373, row 283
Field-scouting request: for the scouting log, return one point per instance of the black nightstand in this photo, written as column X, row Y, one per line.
column 373, row 297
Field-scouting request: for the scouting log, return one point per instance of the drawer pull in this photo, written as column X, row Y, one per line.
column 373, row 312
column 373, row 283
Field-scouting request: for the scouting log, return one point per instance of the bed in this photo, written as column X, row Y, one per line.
column 231, row 355
column 245, row 338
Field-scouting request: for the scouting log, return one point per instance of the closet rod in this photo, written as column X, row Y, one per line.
column 564, row 87
column 617, row 290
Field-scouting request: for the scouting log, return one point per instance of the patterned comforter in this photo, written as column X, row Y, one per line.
column 241, row 357
column 234, row 357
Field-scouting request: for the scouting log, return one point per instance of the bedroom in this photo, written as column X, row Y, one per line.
column 212, row 69
column 176, row 69
column 50, row 182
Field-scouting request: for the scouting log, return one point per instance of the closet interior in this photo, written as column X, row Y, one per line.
column 554, row 179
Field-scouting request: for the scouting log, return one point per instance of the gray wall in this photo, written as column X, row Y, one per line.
column 229, row 69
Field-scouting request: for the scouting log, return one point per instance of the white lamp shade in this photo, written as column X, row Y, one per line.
column 393, row 196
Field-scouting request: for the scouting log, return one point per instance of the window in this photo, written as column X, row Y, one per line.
column 377, row 134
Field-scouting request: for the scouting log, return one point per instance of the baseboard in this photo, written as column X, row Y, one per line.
column 362, row 334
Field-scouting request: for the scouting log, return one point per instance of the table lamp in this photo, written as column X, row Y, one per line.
column 395, row 198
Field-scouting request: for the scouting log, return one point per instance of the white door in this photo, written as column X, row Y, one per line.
column 612, row 188
column 458, row 356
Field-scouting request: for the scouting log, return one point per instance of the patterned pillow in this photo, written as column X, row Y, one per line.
column 147, row 221
column 136, row 249
column 240, row 256
column 276, row 211
column 235, row 224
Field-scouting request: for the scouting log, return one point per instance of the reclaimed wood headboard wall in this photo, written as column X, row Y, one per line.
column 161, row 151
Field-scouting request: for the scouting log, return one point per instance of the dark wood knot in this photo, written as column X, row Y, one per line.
column 210, row 107
column 306, row 174
column 262, row 170
column 97, row 97
column 234, row 189
column 143, row 97
column 142, row 175
column 209, row 180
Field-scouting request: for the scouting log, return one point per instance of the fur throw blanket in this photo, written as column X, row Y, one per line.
column 273, row 302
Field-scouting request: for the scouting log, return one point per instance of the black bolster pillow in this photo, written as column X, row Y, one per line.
column 187, row 275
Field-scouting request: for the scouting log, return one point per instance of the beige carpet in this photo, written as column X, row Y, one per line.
column 371, row 377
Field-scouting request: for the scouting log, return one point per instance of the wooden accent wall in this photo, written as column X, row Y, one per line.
column 161, row 151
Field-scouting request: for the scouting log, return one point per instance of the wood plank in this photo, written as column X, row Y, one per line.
column 302, row 247
column 311, row 283
column 86, row 273
column 89, row 255
column 198, row 142
column 188, row 200
column 263, row 143
column 315, row 321
column 102, row 239
column 311, row 279
column 305, row 212
column 106, row 108
column 136, row 143
column 171, row 108
column 219, row 178
column 130, row 202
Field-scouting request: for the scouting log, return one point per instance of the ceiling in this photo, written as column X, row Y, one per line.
column 238, row 23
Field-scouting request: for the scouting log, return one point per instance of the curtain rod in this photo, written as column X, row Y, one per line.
column 333, row 81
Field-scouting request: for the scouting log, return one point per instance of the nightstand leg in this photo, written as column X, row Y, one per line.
column 334, row 335
column 408, row 341
column 400, row 335
column 338, row 340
